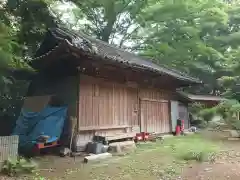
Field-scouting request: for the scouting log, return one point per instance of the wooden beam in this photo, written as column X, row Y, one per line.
column 129, row 135
column 91, row 128
column 153, row 100
column 97, row 157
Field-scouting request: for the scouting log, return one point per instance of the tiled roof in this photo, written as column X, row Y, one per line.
column 106, row 51
column 194, row 97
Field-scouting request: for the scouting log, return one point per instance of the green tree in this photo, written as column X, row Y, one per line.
column 230, row 40
column 184, row 35
column 22, row 26
column 197, row 37
column 113, row 21
column 30, row 20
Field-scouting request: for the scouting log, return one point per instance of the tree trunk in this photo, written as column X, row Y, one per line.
column 106, row 32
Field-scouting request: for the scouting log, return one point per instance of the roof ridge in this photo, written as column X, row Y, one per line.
column 134, row 59
column 73, row 32
column 120, row 49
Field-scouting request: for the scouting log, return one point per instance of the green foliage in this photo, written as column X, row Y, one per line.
column 207, row 114
column 229, row 110
column 39, row 177
column 200, row 156
column 31, row 18
column 9, row 55
column 200, row 115
column 188, row 30
column 113, row 21
column 8, row 45
column 235, row 124
column 197, row 37
column 22, row 26
column 190, row 148
column 195, row 149
column 15, row 167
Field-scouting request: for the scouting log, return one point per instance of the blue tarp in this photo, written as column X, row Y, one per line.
column 30, row 125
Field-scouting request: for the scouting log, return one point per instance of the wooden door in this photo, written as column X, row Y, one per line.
column 105, row 104
column 154, row 116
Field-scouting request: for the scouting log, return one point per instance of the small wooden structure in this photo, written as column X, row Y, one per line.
column 184, row 99
column 111, row 92
column 207, row 100
column 8, row 148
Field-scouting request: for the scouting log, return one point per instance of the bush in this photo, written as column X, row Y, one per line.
column 207, row 114
column 227, row 110
column 200, row 156
column 236, row 125
column 15, row 167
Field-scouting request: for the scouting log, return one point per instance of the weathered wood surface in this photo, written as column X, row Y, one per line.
column 120, row 136
column 233, row 139
column 96, row 157
column 122, row 147
column 8, row 148
column 88, row 128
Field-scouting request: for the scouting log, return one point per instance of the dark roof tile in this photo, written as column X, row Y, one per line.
column 105, row 50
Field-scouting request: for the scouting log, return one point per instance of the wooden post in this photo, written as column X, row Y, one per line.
column 73, row 129
column 97, row 157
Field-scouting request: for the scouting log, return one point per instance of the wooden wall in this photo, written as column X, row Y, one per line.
column 107, row 107
column 155, row 112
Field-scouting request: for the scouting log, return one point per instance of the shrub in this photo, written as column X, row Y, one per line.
column 191, row 155
column 200, row 156
column 227, row 110
column 200, row 115
column 14, row 167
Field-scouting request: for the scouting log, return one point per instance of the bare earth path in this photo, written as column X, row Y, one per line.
column 227, row 166
column 152, row 161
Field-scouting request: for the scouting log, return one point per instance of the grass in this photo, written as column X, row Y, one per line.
column 156, row 160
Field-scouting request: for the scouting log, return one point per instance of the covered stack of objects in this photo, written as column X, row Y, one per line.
column 98, row 145
column 37, row 130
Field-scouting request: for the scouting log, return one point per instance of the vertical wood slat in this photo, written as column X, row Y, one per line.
column 155, row 113
column 114, row 104
column 155, row 116
column 104, row 103
column 8, row 148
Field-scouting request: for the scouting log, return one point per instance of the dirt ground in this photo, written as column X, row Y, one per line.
column 227, row 166
column 152, row 161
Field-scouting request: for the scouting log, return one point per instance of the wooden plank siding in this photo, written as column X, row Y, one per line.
column 155, row 116
column 106, row 106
